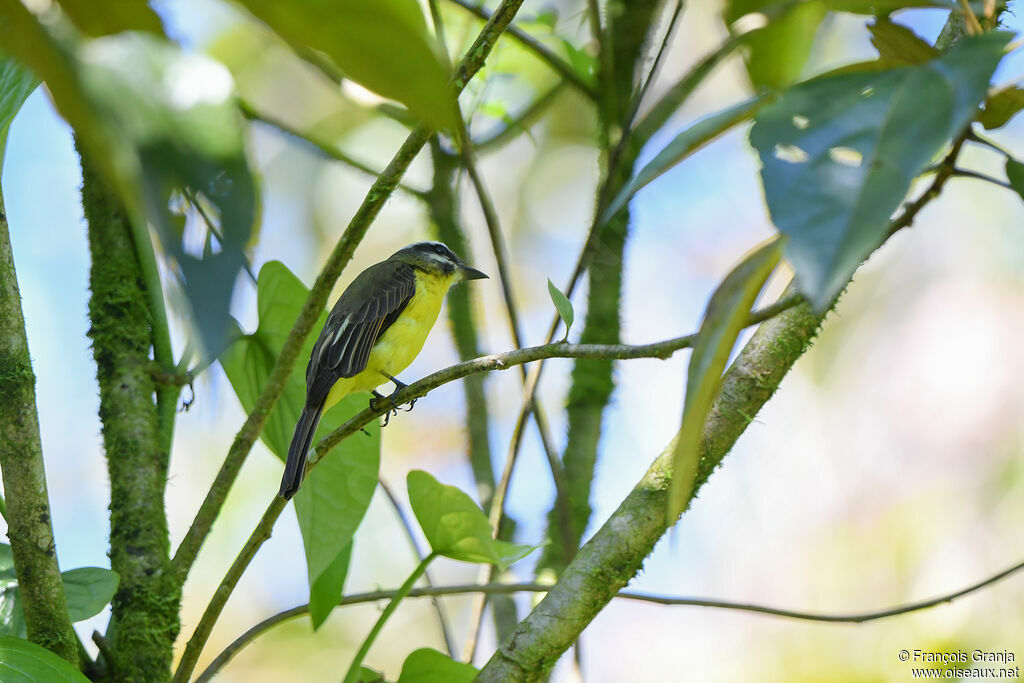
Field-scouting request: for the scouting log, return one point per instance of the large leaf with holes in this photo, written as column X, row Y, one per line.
column 333, row 499
column 839, row 153
column 381, row 44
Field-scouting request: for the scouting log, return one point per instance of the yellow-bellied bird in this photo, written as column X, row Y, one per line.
column 374, row 331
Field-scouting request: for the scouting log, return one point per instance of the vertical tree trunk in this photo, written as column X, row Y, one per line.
column 21, row 458
column 144, row 621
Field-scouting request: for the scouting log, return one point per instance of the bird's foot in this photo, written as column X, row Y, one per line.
column 375, row 404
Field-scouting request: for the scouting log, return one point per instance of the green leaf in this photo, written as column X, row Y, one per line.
column 562, row 305
column 898, row 44
column 325, row 591
column 682, row 146
column 333, row 499
column 777, row 52
column 724, row 319
column 839, row 153
column 88, row 590
column 1001, row 107
column 1015, row 174
column 153, row 119
column 123, row 15
column 25, row 662
column 16, row 84
column 368, row 675
column 430, row 666
column 381, row 44
column 455, row 527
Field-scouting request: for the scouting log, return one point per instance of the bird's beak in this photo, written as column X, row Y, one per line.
column 472, row 273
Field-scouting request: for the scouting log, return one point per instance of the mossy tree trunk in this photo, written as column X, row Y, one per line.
column 144, row 620
column 21, row 457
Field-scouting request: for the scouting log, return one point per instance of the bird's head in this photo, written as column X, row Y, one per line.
column 437, row 259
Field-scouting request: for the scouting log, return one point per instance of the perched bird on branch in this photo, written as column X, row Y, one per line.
column 374, row 331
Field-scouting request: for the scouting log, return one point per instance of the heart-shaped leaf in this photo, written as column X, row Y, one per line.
column 455, row 527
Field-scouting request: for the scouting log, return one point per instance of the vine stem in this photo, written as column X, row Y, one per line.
column 353, row 670
column 510, row 588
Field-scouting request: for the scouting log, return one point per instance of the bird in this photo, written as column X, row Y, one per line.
column 375, row 330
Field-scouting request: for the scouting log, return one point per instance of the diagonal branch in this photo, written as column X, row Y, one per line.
column 529, row 42
column 375, row 199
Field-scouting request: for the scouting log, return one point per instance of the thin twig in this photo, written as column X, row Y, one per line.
column 550, row 58
column 508, row 359
column 655, row 66
column 554, row 464
column 509, row 588
column 375, row 199
column 381, row 190
column 973, row 25
column 410, row 533
column 213, row 228
column 519, row 123
column 330, row 151
column 967, row 173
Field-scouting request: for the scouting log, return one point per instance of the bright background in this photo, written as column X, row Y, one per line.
column 887, row 469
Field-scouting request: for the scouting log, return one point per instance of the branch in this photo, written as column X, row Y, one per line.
column 144, row 611
column 510, row 588
column 381, row 190
column 530, row 43
column 520, row 121
column 24, row 477
column 330, row 151
column 375, row 199
column 410, row 534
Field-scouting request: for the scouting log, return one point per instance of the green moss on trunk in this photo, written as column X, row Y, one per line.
column 21, row 458
column 144, row 622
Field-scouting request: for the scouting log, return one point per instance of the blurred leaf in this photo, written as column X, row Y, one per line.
column 455, row 527
column 381, row 44
column 88, row 590
column 25, row 662
column 724, row 319
column 1015, row 174
column 898, row 44
column 114, row 17
column 336, row 494
column 582, row 62
column 325, row 591
column 1001, row 107
column 16, row 84
column 839, row 153
column 682, row 146
column 778, row 51
column 562, row 305
column 430, row 666
column 153, row 119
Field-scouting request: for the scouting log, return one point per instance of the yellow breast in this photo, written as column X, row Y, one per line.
column 400, row 343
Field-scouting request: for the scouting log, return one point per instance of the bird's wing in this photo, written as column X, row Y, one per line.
column 363, row 312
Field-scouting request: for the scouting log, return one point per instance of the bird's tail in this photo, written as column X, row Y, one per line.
column 295, row 467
